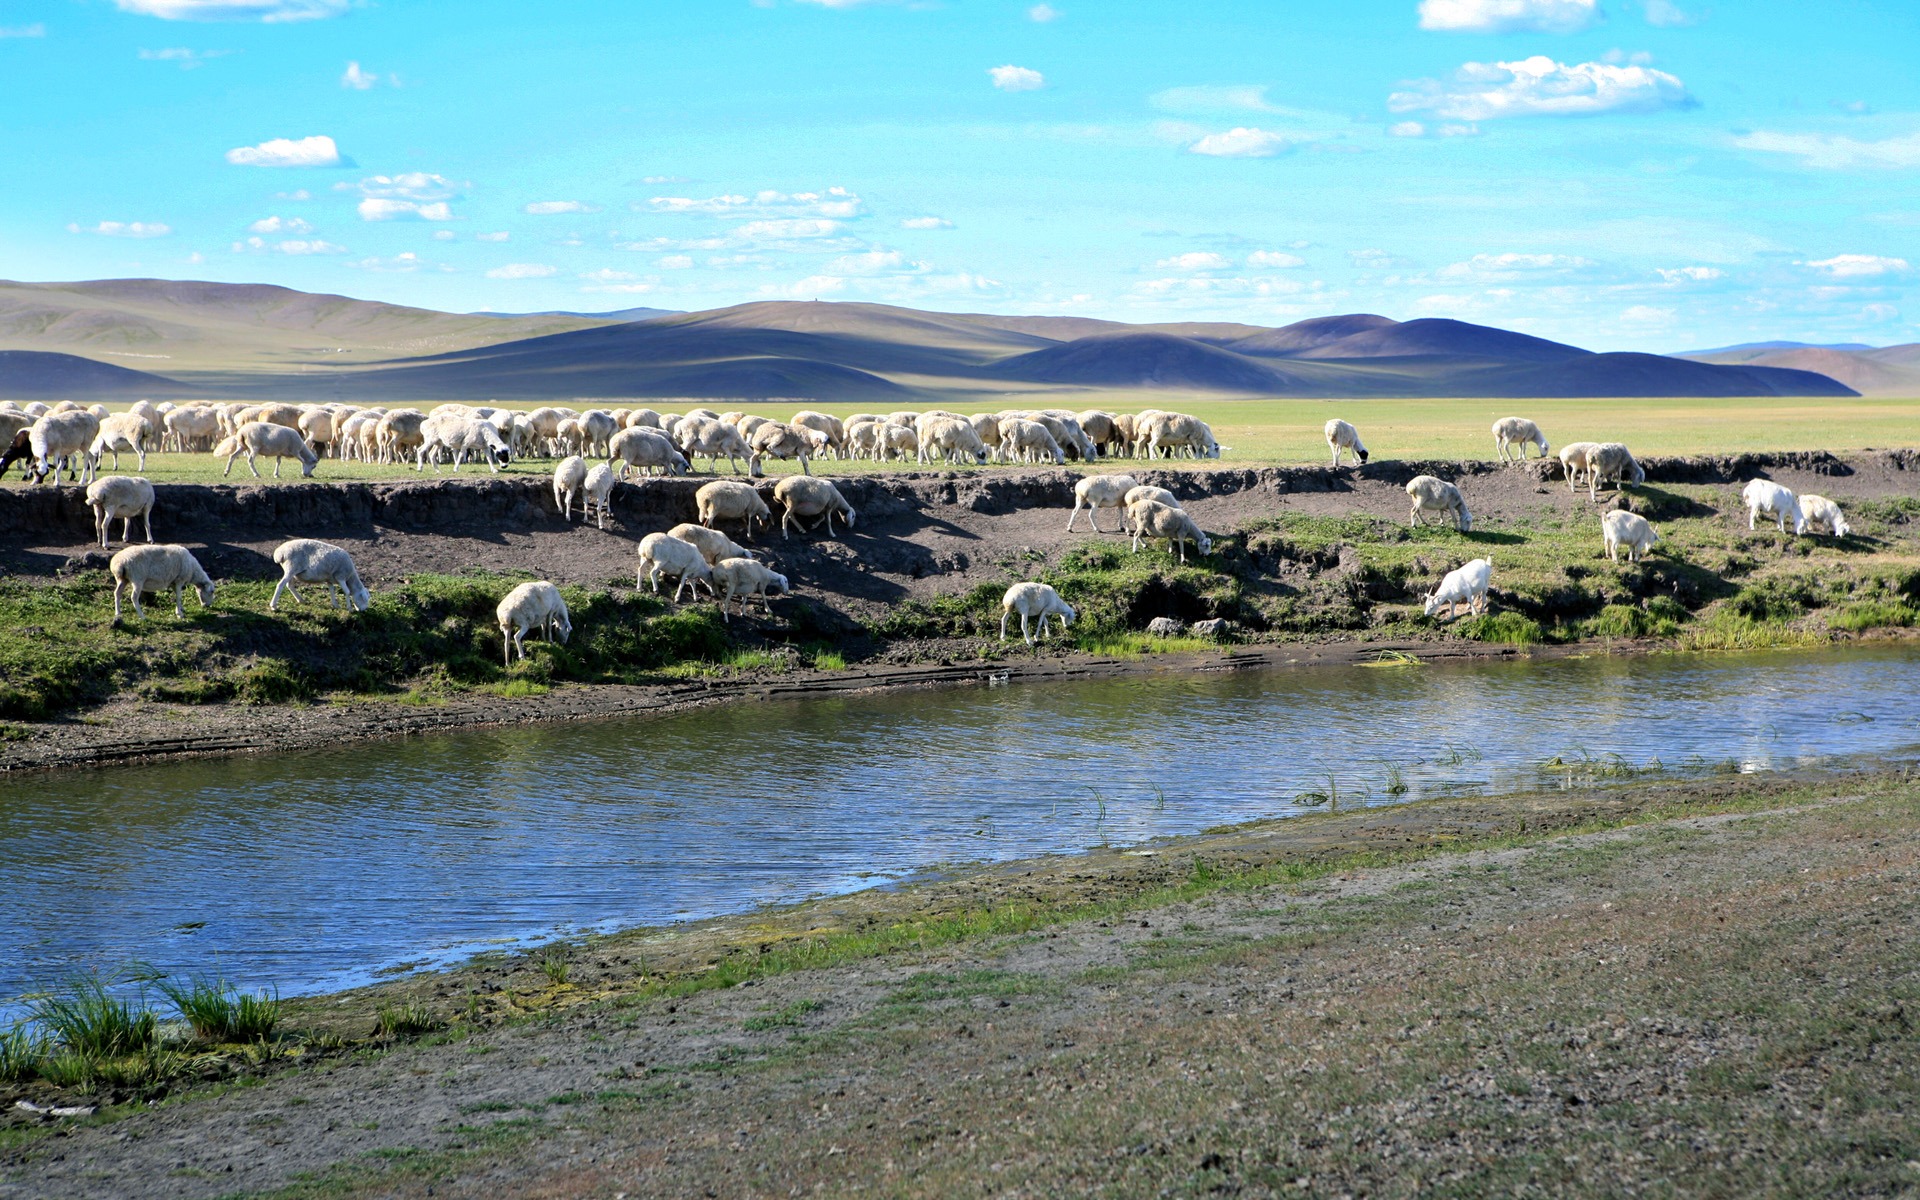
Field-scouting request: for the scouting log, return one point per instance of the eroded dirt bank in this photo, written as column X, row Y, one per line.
column 1703, row 988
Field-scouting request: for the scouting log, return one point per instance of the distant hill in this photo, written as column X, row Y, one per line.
column 1310, row 334
column 618, row 314
column 1645, row 375
column 1437, row 337
column 1752, row 350
column 43, row 375
column 1887, row 371
column 1149, row 360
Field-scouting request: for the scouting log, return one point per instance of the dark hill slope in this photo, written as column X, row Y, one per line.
column 1437, row 336
column 1310, row 334
column 1644, row 375
column 42, row 375
column 1151, row 360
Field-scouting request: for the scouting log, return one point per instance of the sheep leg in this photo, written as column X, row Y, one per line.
column 251, row 466
column 118, row 587
column 1026, row 630
column 1073, row 514
column 1004, row 614
column 179, row 601
column 285, row 585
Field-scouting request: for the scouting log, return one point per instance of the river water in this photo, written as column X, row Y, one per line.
column 318, row 870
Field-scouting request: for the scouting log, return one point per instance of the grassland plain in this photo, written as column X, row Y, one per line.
column 1686, row 988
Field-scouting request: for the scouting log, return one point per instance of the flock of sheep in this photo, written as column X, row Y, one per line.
column 70, row 437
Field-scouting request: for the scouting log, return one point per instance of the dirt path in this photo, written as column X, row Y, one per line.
column 1711, row 1004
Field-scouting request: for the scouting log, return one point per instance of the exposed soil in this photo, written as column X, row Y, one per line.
column 919, row 535
column 1715, row 1000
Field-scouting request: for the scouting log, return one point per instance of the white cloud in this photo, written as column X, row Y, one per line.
column 499, row 236
column 523, row 271
column 876, row 262
column 296, row 194
column 1666, row 14
column 836, row 203
column 294, row 246
column 125, row 229
column 187, row 58
column 1016, row 79
column 357, row 79
column 1407, row 129
column 781, row 230
column 1833, row 153
column 1647, row 314
column 271, row 11
column 1689, row 274
column 444, row 235
column 1373, row 260
column 1539, row 86
column 374, row 208
column 407, row 261
column 1859, row 266
column 1209, row 285
column 1243, row 142
column 280, row 225
column 675, row 262
column 1274, row 258
column 317, row 151
column 1508, row 16
column 1511, row 266
column 548, row 208
column 1043, row 13
column 1198, row 260
column 411, row 185
column 1210, row 99
column 1414, row 129
column 35, row 30
column 926, row 223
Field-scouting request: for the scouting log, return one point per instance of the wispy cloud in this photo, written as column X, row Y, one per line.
column 498, row 236
column 187, row 59
column 298, row 247
column 1689, row 274
column 280, row 225
column 523, row 271
column 548, row 208
column 1510, row 266
column 1211, row 98
column 403, row 262
column 375, row 208
column 409, row 185
column 835, row 203
column 357, row 79
column 1043, row 13
column 1198, row 260
column 1242, row 142
column 1010, row 78
column 1859, row 266
column 125, row 229
column 1508, row 16
column 1539, row 86
column 1834, row 153
column 1665, row 14
column 271, row 11
column 1275, row 258
column 926, row 223
column 36, row 30
column 1416, row 129
column 316, row 151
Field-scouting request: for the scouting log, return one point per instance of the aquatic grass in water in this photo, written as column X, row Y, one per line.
column 220, row 1012
column 86, row 1019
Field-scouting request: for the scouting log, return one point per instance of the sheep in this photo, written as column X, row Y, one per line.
column 1096, row 492
column 536, row 605
column 287, row 415
column 835, row 432
column 646, row 448
column 953, row 438
column 1576, row 461
column 543, row 425
column 319, row 428
column 570, row 438
column 121, row 496
column 713, row 545
column 598, row 426
column 568, row 476
column 664, row 554
column 461, row 435
column 863, row 438
column 1028, row 441
column 728, row 500
column 191, row 427
column 1766, row 496
column 1611, row 460
column 307, row 560
column 1099, row 428
column 1430, row 494
column 1034, row 600
column 746, row 578
column 1818, row 510
column 805, row 497
column 778, row 440
column 1517, row 432
column 1126, row 428
column 399, row 433
column 1151, row 519
column 1168, row 432
column 643, row 418
column 158, row 569
column 1463, row 585
column 21, row 447
column 892, row 439
column 711, row 439
column 256, row 438
column 122, row 431
column 599, row 485
column 64, row 437
column 12, row 421
column 1622, row 528
column 1342, row 436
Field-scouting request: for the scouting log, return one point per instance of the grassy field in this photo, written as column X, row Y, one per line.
column 1287, row 432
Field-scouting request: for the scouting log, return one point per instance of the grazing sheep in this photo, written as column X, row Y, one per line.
column 536, row 605
column 700, row 437
column 193, row 427
column 1096, row 492
column 122, row 431
column 1576, row 459
column 1818, row 510
column 141, row 570
column 1151, row 519
column 64, row 437
column 570, row 438
column 318, row 427
column 892, row 439
column 746, row 578
column 599, row 485
column 308, row 560
column 124, row 497
column 1029, row 441
column 713, row 544
column 643, row 418
column 569, row 475
column 461, row 435
column 951, row 438
column 863, row 438
column 1463, row 585
column 776, row 439
column 805, row 497
column 1165, row 433
column 1430, row 494
column 1516, row 433
column 1034, row 600
column 399, row 433
column 1342, row 436
column 21, row 447
column 1765, row 496
column 599, row 427
column 1611, row 460
column 728, row 500
column 1158, row 495
column 645, row 448
column 257, row 438
column 12, row 422
column 664, row 554
column 1126, row 431
column 1099, row 428
column 1622, row 528
column 836, row 433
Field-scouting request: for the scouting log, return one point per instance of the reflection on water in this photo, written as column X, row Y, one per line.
column 310, row 871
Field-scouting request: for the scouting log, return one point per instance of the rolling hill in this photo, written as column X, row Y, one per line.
column 45, row 375
column 1883, row 371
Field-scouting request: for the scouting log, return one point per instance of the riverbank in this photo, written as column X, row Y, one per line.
column 1703, row 985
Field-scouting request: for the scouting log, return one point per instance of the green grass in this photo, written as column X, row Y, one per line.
column 406, row 1020
column 220, row 1012
column 85, row 1018
column 786, row 1018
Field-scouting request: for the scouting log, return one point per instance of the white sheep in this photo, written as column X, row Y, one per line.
column 1818, row 510
column 536, row 605
column 646, row 448
column 257, row 438
column 461, row 435
column 1151, row 519
column 1611, row 460
column 1622, row 528
column 776, row 439
column 64, row 437
column 664, row 554
column 1515, row 434
column 1164, row 433
column 1463, row 585
column 141, row 570
column 1431, row 494
column 124, row 497
column 709, row 439
column 599, row 486
column 891, row 440
column 1768, row 497
column 122, row 431
column 1576, row 461
column 599, row 427
column 569, row 475
column 1032, row 600
column 308, row 560
column 805, row 496
column 1343, row 436
column 1029, row 441
column 730, row 500
column 746, row 578
column 1096, row 492
column 951, row 438
column 713, row 544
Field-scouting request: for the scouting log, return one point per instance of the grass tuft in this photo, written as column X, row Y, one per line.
column 406, row 1020
column 220, row 1012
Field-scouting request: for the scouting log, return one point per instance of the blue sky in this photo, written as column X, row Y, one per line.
column 1623, row 174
